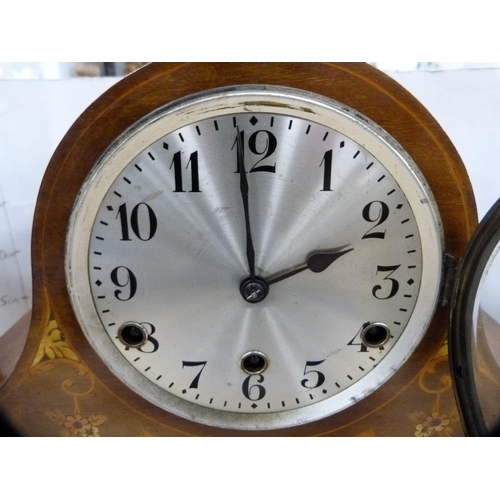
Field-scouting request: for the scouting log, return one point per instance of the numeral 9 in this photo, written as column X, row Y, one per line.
column 123, row 277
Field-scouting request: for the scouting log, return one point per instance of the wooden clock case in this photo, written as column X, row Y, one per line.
column 60, row 386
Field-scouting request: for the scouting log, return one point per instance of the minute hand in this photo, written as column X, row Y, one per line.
column 317, row 262
column 244, row 197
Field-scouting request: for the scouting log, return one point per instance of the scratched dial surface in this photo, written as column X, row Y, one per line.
column 158, row 250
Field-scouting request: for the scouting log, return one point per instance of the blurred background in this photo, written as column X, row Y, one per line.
column 62, row 70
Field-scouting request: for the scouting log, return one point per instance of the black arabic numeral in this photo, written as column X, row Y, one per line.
column 151, row 340
column 177, row 164
column 363, row 347
column 371, row 214
column 194, row 383
column 269, row 144
column 394, row 283
column 320, row 377
column 260, row 146
column 124, row 278
column 147, row 219
column 258, row 390
column 327, row 176
column 236, row 144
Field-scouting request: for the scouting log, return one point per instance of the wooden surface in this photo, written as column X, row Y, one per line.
column 60, row 386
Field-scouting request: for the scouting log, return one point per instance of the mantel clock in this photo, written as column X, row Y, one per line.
column 245, row 249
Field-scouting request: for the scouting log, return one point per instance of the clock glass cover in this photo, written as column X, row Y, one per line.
column 254, row 257
column 475, row 330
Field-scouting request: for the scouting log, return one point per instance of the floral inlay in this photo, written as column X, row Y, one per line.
column 436, row 422
column 53, row 344
column 77, row 425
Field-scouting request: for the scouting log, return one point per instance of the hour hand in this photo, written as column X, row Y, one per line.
column 316, row 262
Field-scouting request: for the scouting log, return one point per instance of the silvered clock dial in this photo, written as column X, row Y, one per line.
column 254, row 257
